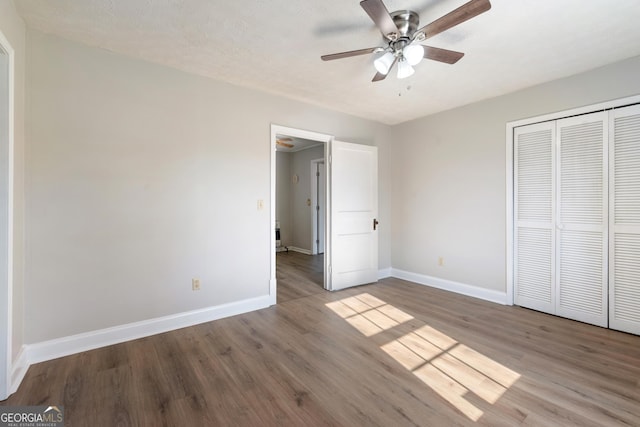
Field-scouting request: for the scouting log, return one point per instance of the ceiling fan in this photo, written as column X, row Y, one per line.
column 284, row 142
column 402, row 37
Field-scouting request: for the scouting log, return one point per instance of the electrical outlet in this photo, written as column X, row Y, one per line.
column 195, row 284
column 441, row 261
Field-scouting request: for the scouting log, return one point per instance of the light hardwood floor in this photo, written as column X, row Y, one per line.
column 390, row 354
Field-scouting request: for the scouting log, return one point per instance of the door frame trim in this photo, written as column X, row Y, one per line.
column 6, row 281
column 509, row 176
column 314, row 197
column 297, row 133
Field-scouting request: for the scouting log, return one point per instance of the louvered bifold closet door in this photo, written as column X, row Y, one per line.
column 534, row 193
column 582, row 218
column 624, row 259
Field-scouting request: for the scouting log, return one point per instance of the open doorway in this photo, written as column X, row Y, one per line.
column 300, row 202
column 351, row 210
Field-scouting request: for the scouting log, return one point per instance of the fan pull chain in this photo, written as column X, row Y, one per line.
column 400, row 91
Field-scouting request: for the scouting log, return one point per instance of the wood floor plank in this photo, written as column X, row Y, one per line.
column 394, row 353
column 299, row 275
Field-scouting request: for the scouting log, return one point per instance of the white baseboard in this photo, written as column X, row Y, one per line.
column 302, row 251
column 384, row 273
column 273, row 290
column 59, row 347
column 19, row 369
column 449, row 285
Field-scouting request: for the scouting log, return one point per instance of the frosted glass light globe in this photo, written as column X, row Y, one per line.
column 413, row 53
column 383, row 64
column 404, row 69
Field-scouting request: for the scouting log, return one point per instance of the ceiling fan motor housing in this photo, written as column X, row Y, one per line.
column 407, row 22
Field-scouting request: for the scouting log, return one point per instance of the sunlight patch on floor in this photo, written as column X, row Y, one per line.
column 368, row 314
column 453, row 370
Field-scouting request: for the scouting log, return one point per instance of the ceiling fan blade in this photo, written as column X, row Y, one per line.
column 453, row 18
column 379, row 76
column 442, row 55
column 348, row 54
column 379, row 14
column 285, row 139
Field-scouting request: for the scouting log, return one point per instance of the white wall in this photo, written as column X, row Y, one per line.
column 448, row 176
column 292, row 211
column 301, row 213
column 141, row 177
column 13, row 28
column 283, row 196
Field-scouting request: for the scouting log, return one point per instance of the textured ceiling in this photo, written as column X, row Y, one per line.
column 275, row 45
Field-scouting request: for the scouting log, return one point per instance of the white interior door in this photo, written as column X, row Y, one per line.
column 534, row 216
column 624, row 231
column 318, row 197
column 582, row 241
column 353, row 183
column 320, row 206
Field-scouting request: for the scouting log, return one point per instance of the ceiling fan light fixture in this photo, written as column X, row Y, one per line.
column 383, row 63
column 413, row 53
column 404, row 69
column 402, row 37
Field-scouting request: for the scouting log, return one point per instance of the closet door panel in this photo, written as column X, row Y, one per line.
column 534, row 234
column 582, row 212
column 582, row 288
column 624, row 262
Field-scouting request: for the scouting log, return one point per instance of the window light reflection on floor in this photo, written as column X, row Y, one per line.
column 452, row 369
column 368, row 314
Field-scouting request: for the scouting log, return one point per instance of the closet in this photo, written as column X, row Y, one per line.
column 576, row 238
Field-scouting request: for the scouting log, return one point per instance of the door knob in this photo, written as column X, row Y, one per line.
column 375, row 224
